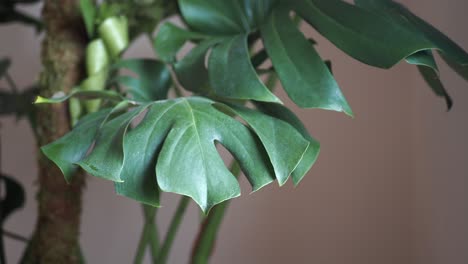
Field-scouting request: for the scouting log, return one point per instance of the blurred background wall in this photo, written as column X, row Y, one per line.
column 390, row 186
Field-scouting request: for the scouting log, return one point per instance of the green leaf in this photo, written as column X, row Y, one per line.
column 106, row 157
column 72, row 147
column 88, row 12
column 302, row 72
column 215, row 17
column 191, row 71
column 174, row 147
column 170, row 39
column 398, row 14
column 311, row 155
column 153, row 81
column 453, row 54
column 283, row 143
column 366, row 36
column 227, row 17
column 427, row 66
column 232, row 74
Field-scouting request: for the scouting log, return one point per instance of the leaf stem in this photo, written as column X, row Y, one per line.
column 177, row 88
column 149, row 235
column 205, row 241
column 173, row 228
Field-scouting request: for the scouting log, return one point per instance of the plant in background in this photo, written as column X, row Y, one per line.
column 127, row 129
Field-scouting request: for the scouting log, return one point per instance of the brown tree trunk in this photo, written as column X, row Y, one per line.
column 58, row 225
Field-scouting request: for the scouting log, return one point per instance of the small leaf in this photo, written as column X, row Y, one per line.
column 232, row 74
column 106, row 157
column 88, row 12
column 153, row 81
column 72, row 147
column 302, row 72
column 170, row 39
column 428, row 68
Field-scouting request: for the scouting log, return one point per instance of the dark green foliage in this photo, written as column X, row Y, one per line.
column 172, row 149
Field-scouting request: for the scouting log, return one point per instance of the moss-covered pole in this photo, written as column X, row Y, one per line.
column 57, row 230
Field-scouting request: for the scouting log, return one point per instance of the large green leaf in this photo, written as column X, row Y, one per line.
column 455, row 56
column 153, row 80
column 402, row 18
column 174, row 148
column 232, row 74
column 367, row 36
column 304, row 75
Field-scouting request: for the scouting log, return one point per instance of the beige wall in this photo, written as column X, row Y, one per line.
column 389, row 186
column 440, row 161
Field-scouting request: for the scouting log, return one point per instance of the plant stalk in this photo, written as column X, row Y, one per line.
column 149, row 235
column 173, row 228
column 206, row 239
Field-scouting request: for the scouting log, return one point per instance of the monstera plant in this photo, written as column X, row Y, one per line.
column 153, row 126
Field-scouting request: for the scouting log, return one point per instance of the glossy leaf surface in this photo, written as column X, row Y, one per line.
column 304, row 75
column 173, row 148
column 312, row 153
column 72, row 147
column 429, row 71
column 232, row 74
